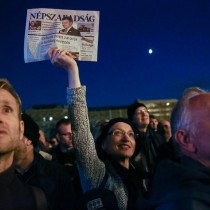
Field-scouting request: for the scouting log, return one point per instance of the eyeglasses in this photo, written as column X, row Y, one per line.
column 121, row 134
column 66, row 134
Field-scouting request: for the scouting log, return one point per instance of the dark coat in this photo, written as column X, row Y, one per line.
column 53, row 180
column 179, row 185
column 15, row 195
column 149, row 144
column 64, row 158
column 74, row 32
column 68, row 160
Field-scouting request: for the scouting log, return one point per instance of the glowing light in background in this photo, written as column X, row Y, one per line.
column 150, row 51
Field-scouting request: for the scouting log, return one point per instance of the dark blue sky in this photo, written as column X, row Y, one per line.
column 178, row 31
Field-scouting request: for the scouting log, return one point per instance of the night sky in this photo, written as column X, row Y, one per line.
column 178, row 31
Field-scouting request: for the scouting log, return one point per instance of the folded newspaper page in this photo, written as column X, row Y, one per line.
column 72, row 30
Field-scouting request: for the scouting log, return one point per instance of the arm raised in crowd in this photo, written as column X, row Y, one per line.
column 91, row 169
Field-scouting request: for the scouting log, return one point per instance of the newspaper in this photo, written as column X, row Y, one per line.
column 46, row 28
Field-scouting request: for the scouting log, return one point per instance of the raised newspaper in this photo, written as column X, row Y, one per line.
column 72, row 30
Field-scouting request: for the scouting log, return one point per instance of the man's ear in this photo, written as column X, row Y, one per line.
column 21, row 129
column 182, row 137
column 29, row 142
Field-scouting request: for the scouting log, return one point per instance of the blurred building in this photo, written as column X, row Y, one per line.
column 46, row 116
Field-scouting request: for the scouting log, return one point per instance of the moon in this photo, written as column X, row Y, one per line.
column 150, row 51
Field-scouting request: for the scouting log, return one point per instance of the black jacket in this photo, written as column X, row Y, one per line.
column 53, row 180
column 179, row 186
column 149, row 144
column 15, row 195
column 73, row 32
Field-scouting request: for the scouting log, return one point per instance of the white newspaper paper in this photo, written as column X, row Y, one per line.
column 45, row 28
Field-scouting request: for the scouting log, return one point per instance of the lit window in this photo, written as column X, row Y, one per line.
column 50, row 118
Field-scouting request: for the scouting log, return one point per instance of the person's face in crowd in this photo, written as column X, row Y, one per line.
column 43, row 140
column 166, row 126
column 141, row 117
column 66, row 23
column 11, row 128
column 22, row 148
column 154, row 123
column 200, row 116
column 54, row 142
column 64, row 135
column 42, row 137
column 120, row 142
column 33, row 23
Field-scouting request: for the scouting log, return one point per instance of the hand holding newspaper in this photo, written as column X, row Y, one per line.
column 72, row 30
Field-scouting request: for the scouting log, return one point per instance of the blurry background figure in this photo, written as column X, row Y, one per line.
column 64, row 135
column 153, row 123
column 167, row 129
column 163, row 129
column 32, row 168
column 53, row 140
column 166, row 149
column 64, row 152
column 44, row 144
column 43, row 147
column 149, row 141
column 97, row 128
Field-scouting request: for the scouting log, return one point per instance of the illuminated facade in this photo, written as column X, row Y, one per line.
column 47, row 116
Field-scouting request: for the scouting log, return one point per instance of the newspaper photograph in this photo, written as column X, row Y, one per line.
column 72, row 30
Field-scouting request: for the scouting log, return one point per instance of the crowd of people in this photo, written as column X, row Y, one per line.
column 139, row 162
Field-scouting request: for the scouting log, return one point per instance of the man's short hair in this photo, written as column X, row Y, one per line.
column 31, row 129
column 132, row 108
column 69, row 18
column 180, row 116
column 63, row 121
column 5, row 85
column 151, row 116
